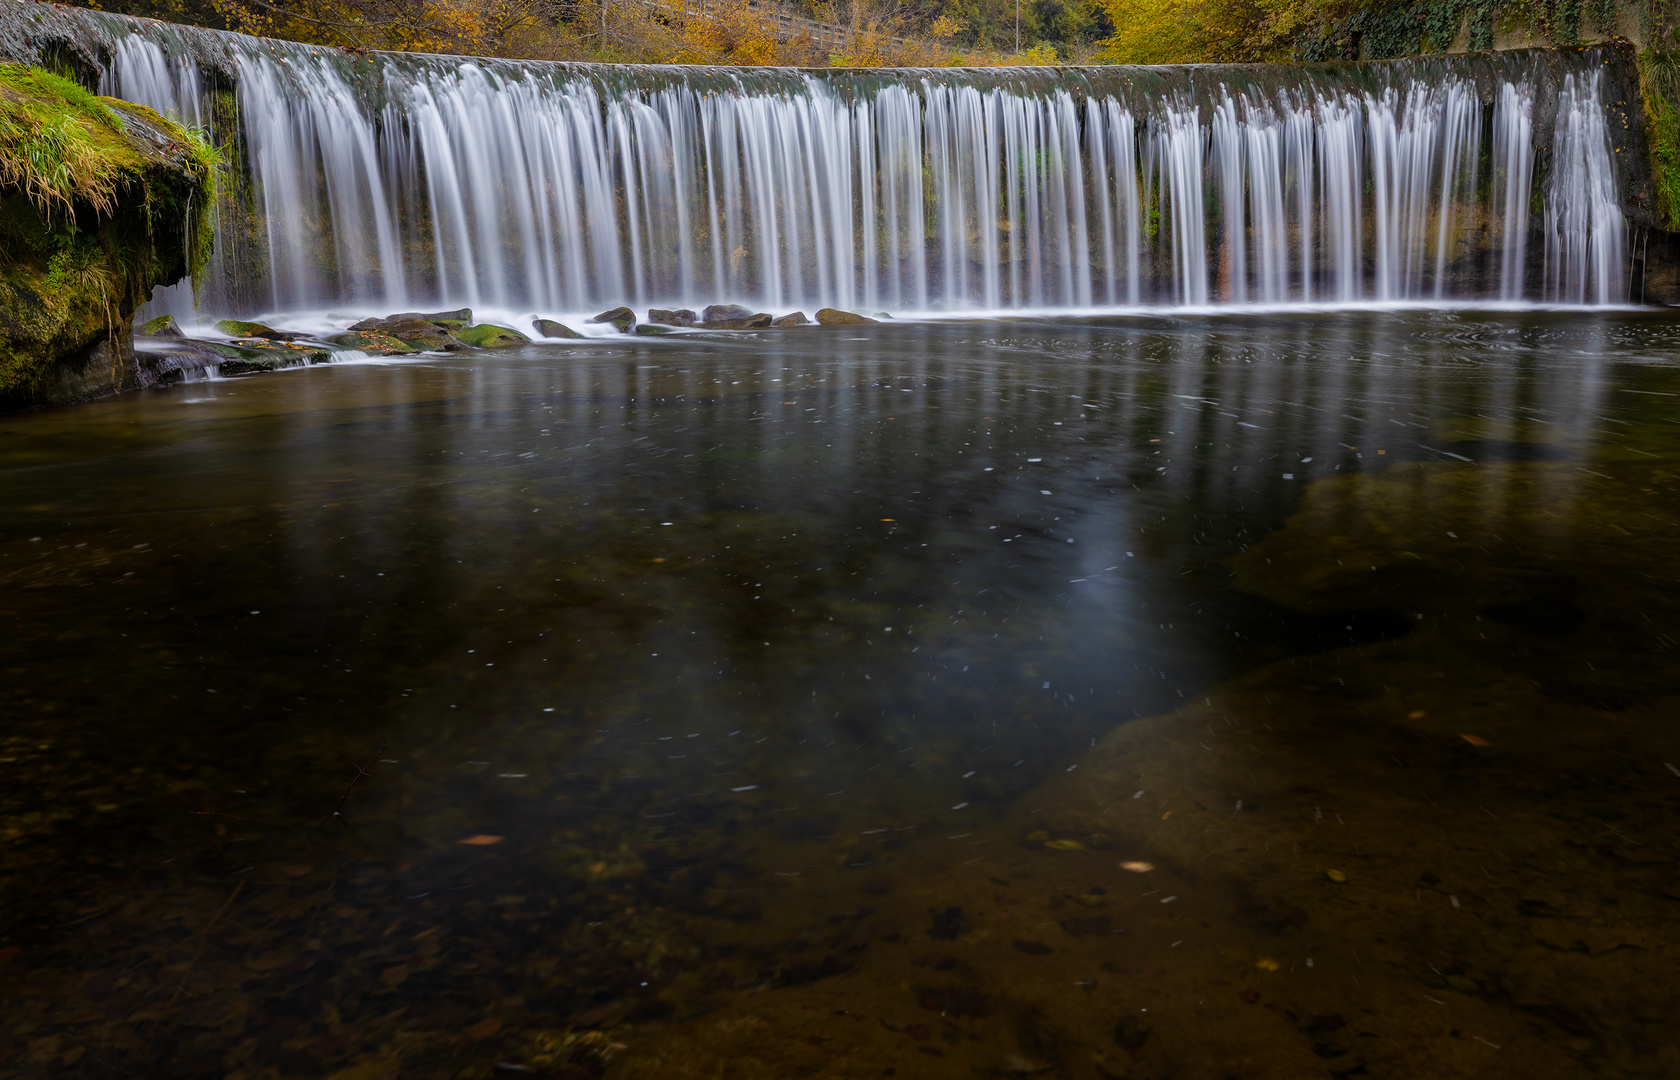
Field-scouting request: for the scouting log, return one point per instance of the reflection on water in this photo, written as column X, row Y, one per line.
column 788, row 705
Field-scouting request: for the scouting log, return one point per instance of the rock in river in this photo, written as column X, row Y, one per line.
column 164, row 326
column 666, row 317
column 550, row 328
column 835, row 317
column 490, row 336
column 621, row 317
column 235, row 328
column 373, row 342
column 746, row 322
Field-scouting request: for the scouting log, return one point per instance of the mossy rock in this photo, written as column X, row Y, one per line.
column 835, row 317
column 234, row 328
column 104, row 201
column 654, row 329
column 164, row 326
column 796, row 319
column 290, row 353
column 550, row 328
column 420, row 334
column 453, row 320
column 490, row 336
column 251, row 366
column 668, row 317
column 621, row 317
column 373, row 342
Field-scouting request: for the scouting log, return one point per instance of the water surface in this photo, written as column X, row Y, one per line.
column 786, row 705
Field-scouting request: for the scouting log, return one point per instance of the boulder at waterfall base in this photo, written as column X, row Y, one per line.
column 373, row 342
column 667, row 317
column 164, row 326
column 550, row 328
column 490, row 336
column 724, row 312
column 234, row 328
column 416, row 332
column 621, row 317
column 835, row 317
column 796, row 319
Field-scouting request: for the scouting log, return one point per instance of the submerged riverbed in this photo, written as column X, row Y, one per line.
column 793, row 704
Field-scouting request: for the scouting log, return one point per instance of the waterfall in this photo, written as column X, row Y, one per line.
column 391, row 181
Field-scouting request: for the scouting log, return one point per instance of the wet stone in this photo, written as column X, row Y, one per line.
column 552, row 329
column 836, row 317
column 620, row 317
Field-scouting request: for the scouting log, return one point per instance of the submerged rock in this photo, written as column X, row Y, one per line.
column 490, row 336
column 374, row 342
column 550, row 328
column 104, row 200
column 654, row 329
column 164, row 326
column 665, row 317
column 796, row 319
column 621, row 317
column 835, row 317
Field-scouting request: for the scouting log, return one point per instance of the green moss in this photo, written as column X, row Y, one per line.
column 100, row 201
column 1659, row 87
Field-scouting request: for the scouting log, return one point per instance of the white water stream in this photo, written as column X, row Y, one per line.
column 396, row 182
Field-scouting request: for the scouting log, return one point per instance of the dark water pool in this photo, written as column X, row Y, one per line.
column 788, row 704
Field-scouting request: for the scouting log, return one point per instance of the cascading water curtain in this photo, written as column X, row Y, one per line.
column 394, row 181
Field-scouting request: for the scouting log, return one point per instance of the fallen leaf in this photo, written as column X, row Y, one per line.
column 1166, row 815
column 482, row 839
column 394, row 977
column 1065, row 845
column 1416, row 714
column 889, row 519
column 1474, row 740
column 1337, row 876
column 300, row 871
column 1137, row 867
column 1266, row 963
column 484, row 1028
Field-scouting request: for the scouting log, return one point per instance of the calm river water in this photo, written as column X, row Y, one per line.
column 1261, row 696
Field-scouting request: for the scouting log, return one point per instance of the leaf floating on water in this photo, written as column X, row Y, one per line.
column 1065, row 845
column 483, row 839
column 1266, row 963
column 1137, row 866
column 1337, row 876
column 1416, row 714
column 1474, row 740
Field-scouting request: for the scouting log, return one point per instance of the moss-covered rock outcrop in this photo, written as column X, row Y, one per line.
column 100, row 201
